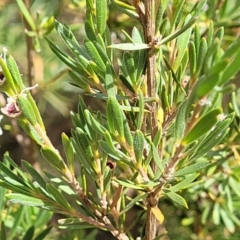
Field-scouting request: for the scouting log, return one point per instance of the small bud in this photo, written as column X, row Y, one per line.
column 11, row 109
column 111, row 164
column 2, row 77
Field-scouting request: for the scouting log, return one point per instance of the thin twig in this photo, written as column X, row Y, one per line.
column 151, row 221
column 30, row 49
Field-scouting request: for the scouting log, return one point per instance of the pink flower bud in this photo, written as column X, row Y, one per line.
column 11, row 109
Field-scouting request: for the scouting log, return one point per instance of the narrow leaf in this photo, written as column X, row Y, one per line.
column 101, row 13
column 130, row 46
column 94, row 123
column 109, row 81
column 231, row 69
column 35, row 175
column 182, row 42
column 93, row 52
column 184, row 183
column 196, row 167
column 177, row 199
column 207, row 84
column 133, row 202
column 138, row 144
column 115, row 117
column 59, row 198
column 25, row 200
column 53, row 157
column 69, row 151
column 203, row 125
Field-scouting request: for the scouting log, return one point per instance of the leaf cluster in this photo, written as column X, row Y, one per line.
column 117, row 150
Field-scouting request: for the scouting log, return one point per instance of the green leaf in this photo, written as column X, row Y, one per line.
column 130, row 46
column 140, row 115
column 10, row 184
column 3, row 231
column 232, row 49
column 26, row 14
column 127, row 132
column 101, row 14
column 31, row 131
column 102, row 52
column 81, row 157
column 25, row 200
column 227, row 221
column 235, row 104
column 59, row 198
column 109, row 82
column 234, row 185
column 184, row 183
column 11, row 174
column 83, row 144
column 139, row 61
column 89, row 30
column 180, row 124
column 201, row 55
column 27, row 109
column 210, row 33
column 107, row 178
column 64, row 31
column 130, row 66
column 196, row 167
column 124, row 72
column 229, row 199
column 17, row 221
column 138, row 144
column 115, row 117
column 73, row 223
column 177, row 199
column 177, row 33
column 231, row 69
column 13, row 68
column 10, row 88
column 61, row 55
column 29, row 234
column 203, row 125
column 178, row 10
column 53, row 157
column 43, row 234
column 219, row 33
column 93, row 52
column 69, row 151
column 156, row 157
column 216, row 213
column 215, row 136
column 80, row 81
column 207, row 84
column 133, row 202
column 2, row 199
column 192, row 58
column 205, row 214
column 197, row 39
column 36, row 111
column 182, row 42
column 94, row 123
column 35, row 175
column 218, row 67
column 114, row 153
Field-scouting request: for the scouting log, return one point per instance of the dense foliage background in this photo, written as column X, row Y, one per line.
column 213, row 203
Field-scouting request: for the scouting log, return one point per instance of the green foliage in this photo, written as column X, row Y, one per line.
column 20, row 221
column 163, row 132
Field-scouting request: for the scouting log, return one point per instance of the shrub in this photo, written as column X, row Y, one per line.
column 164, row 131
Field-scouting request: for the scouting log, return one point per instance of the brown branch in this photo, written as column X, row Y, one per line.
column 30, row 49
column 151, row 221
